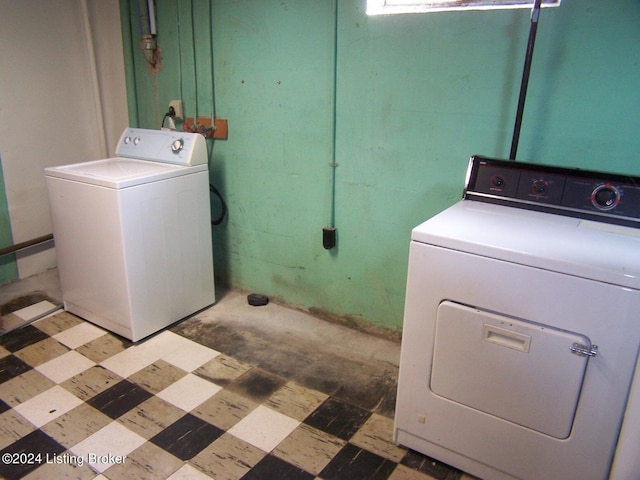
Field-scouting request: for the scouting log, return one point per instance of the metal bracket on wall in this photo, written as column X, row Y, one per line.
column 203, row 125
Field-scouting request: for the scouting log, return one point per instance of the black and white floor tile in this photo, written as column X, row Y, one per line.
column 78, row 402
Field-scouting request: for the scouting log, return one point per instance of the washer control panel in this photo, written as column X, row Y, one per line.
column 597, row 196
column 167, row 146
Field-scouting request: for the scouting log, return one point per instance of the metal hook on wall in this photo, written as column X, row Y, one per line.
column 147, row 25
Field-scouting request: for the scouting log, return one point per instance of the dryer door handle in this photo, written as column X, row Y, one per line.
column 584, row 350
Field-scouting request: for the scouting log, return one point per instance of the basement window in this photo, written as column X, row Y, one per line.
column 387, row 7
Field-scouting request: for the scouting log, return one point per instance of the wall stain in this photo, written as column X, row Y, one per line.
column 356, row 323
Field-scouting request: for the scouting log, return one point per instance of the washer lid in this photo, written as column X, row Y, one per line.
column 607, row 253
column 120, row 172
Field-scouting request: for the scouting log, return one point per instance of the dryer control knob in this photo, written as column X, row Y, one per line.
column 539, row 187
column 498, row 181
column 605, row 197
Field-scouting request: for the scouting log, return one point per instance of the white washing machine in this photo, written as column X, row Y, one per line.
column 522, row 328
column 133, row 233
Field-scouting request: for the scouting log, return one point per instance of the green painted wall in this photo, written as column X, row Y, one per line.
column 8, row 266
column 416, row 96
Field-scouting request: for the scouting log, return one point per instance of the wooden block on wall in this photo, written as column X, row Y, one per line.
column 222, row 130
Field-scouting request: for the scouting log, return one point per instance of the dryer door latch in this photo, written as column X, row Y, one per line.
column 584, row 350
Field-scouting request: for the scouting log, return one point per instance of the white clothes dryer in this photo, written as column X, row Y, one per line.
column 133, row 233
column 521, row 330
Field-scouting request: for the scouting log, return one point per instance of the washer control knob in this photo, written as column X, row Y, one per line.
column 605, row 197
column 177, row 145
column 127, row 140
column 136, row 140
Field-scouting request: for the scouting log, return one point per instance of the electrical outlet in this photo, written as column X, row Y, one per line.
column 177, row 107
column 329, row 237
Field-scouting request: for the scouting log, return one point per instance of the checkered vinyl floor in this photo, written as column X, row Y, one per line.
column 79, row 402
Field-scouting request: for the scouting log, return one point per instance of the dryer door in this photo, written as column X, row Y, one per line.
column 516, row 370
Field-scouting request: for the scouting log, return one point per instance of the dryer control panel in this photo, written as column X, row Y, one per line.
column 598, row 196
